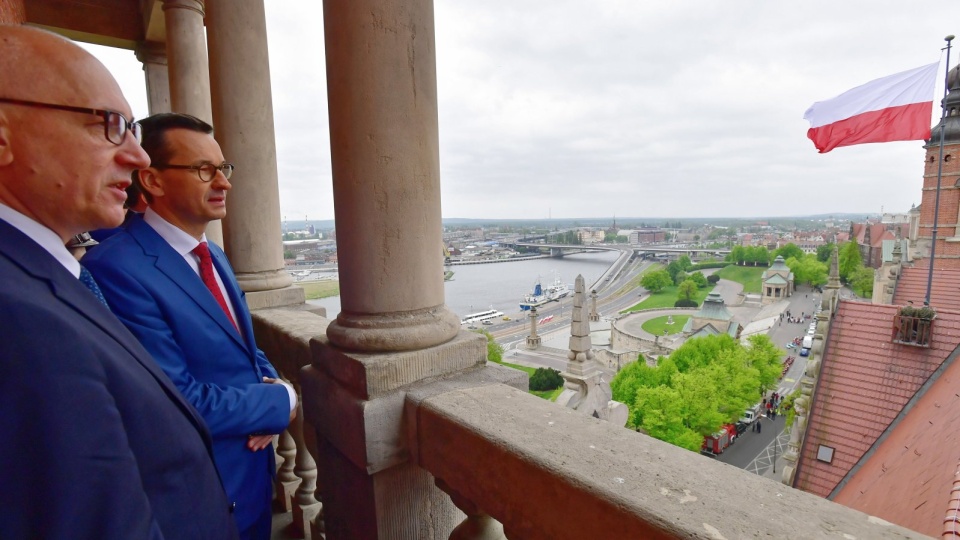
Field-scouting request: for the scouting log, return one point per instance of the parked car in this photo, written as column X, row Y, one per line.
column 804, row 352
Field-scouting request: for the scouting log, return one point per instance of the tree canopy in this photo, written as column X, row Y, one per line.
column 704, row 384
column 808, row 269
column 849, row 260
column 687, row 289
column 824, row 251
column 788, row 251
column 655, row 281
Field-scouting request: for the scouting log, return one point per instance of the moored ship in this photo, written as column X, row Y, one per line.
column 541, row 295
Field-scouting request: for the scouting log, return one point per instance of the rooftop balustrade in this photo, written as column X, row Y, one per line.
column 521, row 467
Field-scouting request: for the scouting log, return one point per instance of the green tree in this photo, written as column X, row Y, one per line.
column 545, row 379
column 702, row 385
column 673, row 269
column 862, row 282
column 699, row 279
column 685, row 262
column 494, row 349
column 824, row 251
column 789, row 250
column 849, row 260
column 808, row 269
column 757, row 255
column 680, row 277
column 687, row 289
column 655, row 281
column 738, row 255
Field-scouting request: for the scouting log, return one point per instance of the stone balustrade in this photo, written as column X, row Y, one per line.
column 284, row 335
column 517, row 466
column 547, row 473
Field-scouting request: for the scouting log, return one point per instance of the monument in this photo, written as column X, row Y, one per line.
column 585, row 388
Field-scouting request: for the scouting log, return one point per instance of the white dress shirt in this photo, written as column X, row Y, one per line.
column 42, row 235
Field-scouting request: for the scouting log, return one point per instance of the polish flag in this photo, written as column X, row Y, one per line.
column 893, row 108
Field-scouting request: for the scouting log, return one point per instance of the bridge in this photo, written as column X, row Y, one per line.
column 557, row 250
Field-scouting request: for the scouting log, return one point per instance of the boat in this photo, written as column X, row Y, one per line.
column 541, row 295
column 481, row 316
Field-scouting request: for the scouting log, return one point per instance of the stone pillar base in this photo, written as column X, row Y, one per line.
column 357, row 404
column 533, row 342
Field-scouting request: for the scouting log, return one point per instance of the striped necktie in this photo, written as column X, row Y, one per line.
column 87, row 279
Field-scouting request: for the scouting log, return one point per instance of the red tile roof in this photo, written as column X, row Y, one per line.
column 912, row 286
column 908, row 478
column 865, row 380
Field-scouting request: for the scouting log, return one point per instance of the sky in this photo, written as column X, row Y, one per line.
column 628, row 108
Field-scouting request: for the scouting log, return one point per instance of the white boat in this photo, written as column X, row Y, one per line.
column 542, row 295
column 481, row 316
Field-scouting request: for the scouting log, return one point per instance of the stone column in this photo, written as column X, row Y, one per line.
column 394, row 331
column 188, row 71
column 594, row 314
column 243, row 115
column 533, row 340
column 153, row 56
column 382, row 91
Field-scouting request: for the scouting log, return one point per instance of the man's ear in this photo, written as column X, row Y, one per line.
column 151, row 182
column 6, row 144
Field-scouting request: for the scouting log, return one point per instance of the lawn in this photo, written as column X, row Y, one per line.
column 658, row 325
column 320, row 289
column 549, row 395
column 666, row 298
column 748, row 276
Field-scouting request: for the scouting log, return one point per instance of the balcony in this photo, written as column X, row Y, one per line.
column 475, row 453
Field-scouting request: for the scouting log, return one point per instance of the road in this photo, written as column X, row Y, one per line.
column 613, row 295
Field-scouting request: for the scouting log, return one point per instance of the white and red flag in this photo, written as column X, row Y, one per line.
column 893, row 108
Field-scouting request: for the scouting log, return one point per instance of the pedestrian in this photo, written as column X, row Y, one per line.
column 758, row 426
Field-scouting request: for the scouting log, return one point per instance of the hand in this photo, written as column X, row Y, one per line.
column 271, row 380
column 258, row 442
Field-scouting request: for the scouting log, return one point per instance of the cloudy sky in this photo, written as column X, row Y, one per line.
column 569, row 108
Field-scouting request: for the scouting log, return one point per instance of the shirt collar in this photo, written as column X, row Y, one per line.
column 42, row 235
column 179, row 240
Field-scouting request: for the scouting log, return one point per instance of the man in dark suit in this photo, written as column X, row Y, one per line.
column 178, row 295
column 97, row 442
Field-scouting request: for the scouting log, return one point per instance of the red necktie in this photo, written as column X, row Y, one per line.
column 209, row 279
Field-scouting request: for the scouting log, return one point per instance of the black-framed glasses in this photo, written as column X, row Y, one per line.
column 206, row 171
column 115, row 125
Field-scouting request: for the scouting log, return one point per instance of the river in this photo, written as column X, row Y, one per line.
column 501, row 286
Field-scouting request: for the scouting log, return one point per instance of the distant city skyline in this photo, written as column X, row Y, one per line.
column 555, row 109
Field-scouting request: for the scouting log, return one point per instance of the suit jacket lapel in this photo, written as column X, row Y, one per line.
column 35, row 261
column 171, row 264
column 223, row 267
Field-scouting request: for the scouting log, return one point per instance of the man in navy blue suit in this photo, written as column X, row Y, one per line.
column 177, row 293
column 97, row 442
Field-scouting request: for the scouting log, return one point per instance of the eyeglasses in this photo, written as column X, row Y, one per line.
column 207, row 171
column 115, row 125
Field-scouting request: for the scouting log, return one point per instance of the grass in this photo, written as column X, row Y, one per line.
column 550, row 395
column 666, row 298
column 658, row 325
column 748, row 276
column 320, row 289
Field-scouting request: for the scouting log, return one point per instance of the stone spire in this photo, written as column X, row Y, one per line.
column 585, row 388
column 580, row 344
column 594, row 314
column 834, row 278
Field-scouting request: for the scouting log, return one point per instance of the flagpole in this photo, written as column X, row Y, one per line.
column 936, row 204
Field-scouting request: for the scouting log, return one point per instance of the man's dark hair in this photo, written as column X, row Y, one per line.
column 155, row 128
